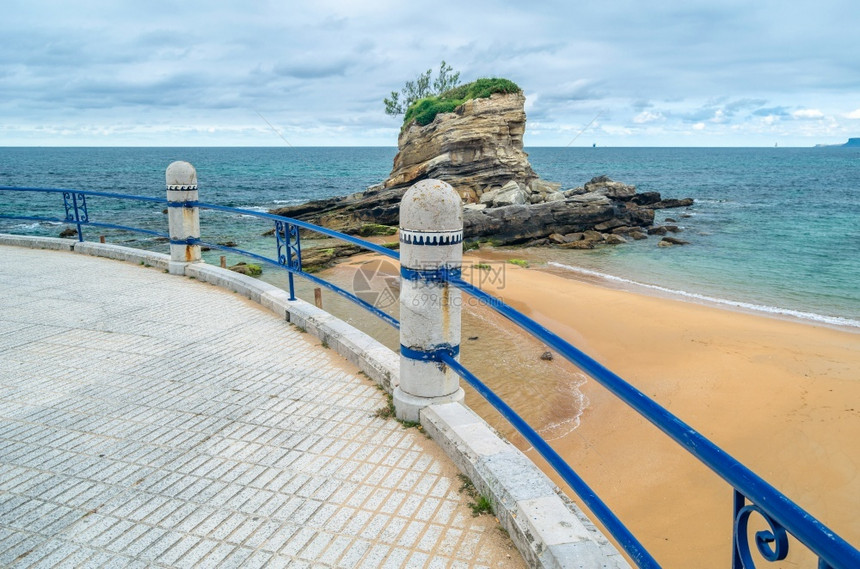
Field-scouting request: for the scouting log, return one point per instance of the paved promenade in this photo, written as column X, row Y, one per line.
column 152, row 420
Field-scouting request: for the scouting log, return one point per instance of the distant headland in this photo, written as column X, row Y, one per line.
column 852, row 143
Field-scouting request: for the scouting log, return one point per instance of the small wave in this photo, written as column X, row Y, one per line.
column 36, row 225
column 830, row 320
column 718, row 203
column 555, row 431
column 568, row 403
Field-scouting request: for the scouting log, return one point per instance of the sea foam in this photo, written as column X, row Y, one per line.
column 810, row 316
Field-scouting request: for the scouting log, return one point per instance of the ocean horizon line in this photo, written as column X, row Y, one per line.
column 816, row 146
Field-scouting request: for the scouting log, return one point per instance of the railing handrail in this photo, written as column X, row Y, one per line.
column 203, row 205
column 305, row 225
column 825, row 543
column 86, row 193
column 597, row 506
column 385, row 317
column 806, row 528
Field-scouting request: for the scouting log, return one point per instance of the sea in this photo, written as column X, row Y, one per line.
column 772, row 230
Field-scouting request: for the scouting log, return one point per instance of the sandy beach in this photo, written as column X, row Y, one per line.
column 783, row 397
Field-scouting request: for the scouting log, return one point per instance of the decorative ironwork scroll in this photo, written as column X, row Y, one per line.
column 289, row 250
column 771, row 543
column 76, row 210
column 289, row 245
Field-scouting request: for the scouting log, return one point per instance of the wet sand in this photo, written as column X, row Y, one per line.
column 783, row 397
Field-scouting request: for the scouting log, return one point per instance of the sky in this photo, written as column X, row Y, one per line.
column 278, row 73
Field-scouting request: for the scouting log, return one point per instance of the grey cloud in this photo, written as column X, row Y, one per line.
column 771, row 111
column 577, row 91
column 697, row 115
column 310, row 70
column 334, row 62
column 721, row 107
column 741, row 104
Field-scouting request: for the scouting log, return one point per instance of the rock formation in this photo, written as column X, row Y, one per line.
column 602, row 211
column 852, row 143
column 478, row 149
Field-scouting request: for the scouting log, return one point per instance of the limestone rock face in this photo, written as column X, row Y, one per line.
column 591, row 213
column 509, row 194
column 476, row 147
column 609, row 188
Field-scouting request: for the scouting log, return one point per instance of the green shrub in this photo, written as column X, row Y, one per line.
column 249, row 269
column 481, row 506
column 425, row 110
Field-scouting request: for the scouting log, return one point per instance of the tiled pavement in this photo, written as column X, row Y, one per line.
column 151, row 420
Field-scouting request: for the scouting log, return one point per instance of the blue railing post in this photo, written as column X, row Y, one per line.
column 76, row 211
column 183, row 216
column 738, row 503
column 431, row 251
column 289, row 244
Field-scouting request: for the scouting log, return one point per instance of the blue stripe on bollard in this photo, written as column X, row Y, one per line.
column 443, row 274
column 430, row 355
column 189, row 241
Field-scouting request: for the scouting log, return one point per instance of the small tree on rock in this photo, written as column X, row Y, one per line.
column 420, row 88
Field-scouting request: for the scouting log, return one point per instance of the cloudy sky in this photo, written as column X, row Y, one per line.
column 610, row 72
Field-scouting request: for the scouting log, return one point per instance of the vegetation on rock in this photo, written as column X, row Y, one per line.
column 315, row 259
column 421, row 88
column 249, row 269
column 370, row 229
column 423, row 111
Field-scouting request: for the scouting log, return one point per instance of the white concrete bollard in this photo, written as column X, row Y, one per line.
column 183, row 216
column 431, row 243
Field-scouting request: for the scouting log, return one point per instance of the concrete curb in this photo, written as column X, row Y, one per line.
column 120, row 253
column 549, row 530
column 54, row 243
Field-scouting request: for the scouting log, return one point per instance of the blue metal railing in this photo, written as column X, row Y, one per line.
column 781, row 514
column 779, row 511
column 77, row 214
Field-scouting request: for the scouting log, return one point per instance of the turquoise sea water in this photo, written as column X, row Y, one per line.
column 772, row 229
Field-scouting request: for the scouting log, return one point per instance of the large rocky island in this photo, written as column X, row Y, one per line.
column 478, row 149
